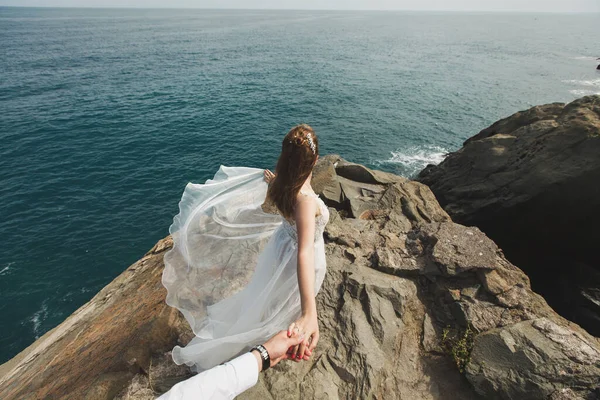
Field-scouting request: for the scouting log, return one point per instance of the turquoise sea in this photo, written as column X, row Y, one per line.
column 107, row 114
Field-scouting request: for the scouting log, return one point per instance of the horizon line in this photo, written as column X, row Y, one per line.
column 304, row 9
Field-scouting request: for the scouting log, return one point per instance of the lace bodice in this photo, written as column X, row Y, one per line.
column 320, row 220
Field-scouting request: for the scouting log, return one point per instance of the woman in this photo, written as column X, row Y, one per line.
column 239, row 274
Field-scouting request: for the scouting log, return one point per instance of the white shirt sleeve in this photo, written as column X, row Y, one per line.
column 224, row 381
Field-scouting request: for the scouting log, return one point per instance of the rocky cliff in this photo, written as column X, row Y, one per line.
column 414, row 306
column 531, row 183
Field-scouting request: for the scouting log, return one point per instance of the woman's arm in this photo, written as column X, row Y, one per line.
column 304, row 215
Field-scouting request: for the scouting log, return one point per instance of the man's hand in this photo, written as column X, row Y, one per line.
column 278, row 346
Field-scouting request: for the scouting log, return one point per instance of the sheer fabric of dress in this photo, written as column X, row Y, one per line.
column 232, row 269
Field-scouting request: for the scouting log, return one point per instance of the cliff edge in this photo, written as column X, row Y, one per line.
column 414, row 306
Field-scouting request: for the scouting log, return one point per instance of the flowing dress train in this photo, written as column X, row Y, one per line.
column 232, row 271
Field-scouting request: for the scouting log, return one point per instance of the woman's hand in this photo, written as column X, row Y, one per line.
column 269, row 176
column 308, row 326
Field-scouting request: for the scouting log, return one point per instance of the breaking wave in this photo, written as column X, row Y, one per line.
column 412, row 160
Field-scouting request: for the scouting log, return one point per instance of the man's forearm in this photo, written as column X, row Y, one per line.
column 225, row 381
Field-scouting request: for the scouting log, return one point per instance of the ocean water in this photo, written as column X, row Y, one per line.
column 107, row 114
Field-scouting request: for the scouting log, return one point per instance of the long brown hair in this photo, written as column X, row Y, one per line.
column 299, row 152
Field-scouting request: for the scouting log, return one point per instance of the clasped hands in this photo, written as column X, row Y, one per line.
column 308, row 327
column 291, row 344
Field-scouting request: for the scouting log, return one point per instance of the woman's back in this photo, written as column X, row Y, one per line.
column 321, row 218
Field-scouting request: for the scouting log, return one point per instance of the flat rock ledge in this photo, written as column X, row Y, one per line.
column 414, row 306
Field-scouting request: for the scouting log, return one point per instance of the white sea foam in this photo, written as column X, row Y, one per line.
column 38, row 317
column 584, row 87
column 586, row 58
column 4, row 270
column 414, row 159
column 589, row 83
column 582, row 92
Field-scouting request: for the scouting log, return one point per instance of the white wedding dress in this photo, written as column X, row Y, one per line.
column 232, row 269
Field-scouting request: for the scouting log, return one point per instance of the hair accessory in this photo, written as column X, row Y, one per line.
column 264, row 355
column 311, row 143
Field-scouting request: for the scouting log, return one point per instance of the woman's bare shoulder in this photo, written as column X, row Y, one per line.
column 306, row 206
column 305, row 200
column 307, row 193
